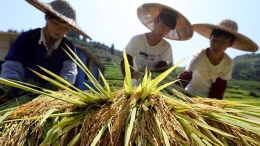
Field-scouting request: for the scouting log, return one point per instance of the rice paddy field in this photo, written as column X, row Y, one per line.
column 245, row 91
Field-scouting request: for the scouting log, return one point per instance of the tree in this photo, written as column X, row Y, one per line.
column 12, row 31
column 73, row 34
column 109, row 59
column 84, row 39
column 112, row 50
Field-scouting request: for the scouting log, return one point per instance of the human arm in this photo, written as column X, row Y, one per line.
column 17, row 57
column 69, row 71
column 134, row 74
column 131, row 51
column 186, row 76
column 12, row 70
column 13, row 67
column 161, row 66
column 218, row 88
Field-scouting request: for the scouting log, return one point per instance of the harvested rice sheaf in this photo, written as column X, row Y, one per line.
column 156, row 122
column 142, row 115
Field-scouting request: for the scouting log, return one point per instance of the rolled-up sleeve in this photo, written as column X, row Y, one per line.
column 69, row 71
column 12, row 70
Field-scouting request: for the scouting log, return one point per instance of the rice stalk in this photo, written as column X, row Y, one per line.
column 142, row 115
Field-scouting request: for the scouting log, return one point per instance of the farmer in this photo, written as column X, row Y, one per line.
column 210, row 68
column 150, row 49
column 43, row 47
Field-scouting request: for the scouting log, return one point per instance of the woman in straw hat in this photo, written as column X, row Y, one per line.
column 210, row 68
column 43, row 47
column 150, row 49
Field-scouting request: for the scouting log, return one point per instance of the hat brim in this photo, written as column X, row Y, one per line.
column 241, row 42
column 149, row 11
column 44, row 7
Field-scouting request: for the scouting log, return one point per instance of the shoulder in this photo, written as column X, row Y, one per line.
column 66, row 43
column 228, row 60
column 33, row 34
column 138, row 37
column 200, row 52
column 165, row 43
column 137, row 40
column 33, row 31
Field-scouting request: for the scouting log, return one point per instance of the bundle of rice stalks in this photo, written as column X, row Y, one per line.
column 140, row 115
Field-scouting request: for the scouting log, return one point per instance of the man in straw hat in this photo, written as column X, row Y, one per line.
column 43, row 47
column 210, row 68
column 150, row 49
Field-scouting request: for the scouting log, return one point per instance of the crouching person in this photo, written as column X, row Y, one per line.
column 43, row 47
column 210, row 68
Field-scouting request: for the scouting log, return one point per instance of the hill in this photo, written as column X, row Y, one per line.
column 247, row 67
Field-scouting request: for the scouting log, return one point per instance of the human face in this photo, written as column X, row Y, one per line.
column 218, row 45
column 160, row 29
column 57, row 29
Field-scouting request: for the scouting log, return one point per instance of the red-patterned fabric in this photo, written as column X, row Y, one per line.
column 161, row 66
column 218, row 88
column 185, row 78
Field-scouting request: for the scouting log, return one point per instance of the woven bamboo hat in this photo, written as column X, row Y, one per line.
column 241, row 42
column 63, row 10
column 149, row 11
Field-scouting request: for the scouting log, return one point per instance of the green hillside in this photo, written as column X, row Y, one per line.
column 247, row 67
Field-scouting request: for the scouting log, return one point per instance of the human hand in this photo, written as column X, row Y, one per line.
column 11, row 92
column 135, row 75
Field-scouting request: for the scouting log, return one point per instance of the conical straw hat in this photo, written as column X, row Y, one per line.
column 149, row 11
column 241, row 42
column 63, row 10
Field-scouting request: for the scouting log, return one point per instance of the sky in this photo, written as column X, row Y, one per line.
column 116, row 22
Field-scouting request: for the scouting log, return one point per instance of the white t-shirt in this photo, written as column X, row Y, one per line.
column 145, row 55
column 204, row 73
